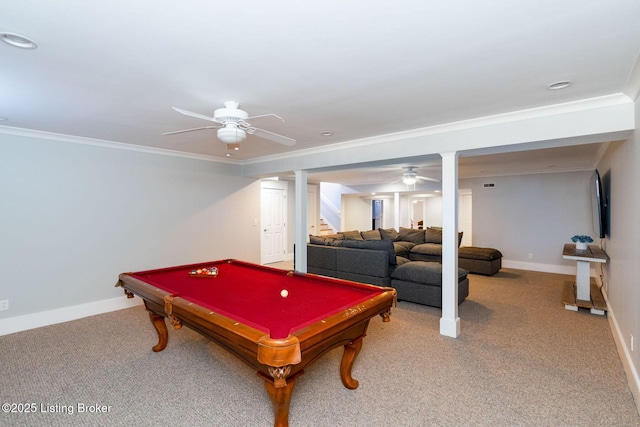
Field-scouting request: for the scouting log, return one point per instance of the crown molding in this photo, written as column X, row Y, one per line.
column 29, row 133
column 513, row 116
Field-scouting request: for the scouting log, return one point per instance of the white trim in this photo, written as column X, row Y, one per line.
column 611, row 100
column 29, row 133
column 450, row 327
column 45, row 318
column 623, row 351
column 543, row 268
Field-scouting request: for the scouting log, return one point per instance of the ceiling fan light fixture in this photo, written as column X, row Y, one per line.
column 409, row 180
column 231, row 134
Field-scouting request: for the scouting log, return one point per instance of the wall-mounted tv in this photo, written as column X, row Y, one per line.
column 598, row 205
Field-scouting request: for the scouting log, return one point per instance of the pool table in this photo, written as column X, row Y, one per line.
column 277, row 321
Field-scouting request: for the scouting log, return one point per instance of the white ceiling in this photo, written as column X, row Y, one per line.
column 113, row 70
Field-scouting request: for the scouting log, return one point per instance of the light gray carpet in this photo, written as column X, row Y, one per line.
column 522, row 360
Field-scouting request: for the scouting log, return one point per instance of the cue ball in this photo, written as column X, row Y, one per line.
column 284, row 293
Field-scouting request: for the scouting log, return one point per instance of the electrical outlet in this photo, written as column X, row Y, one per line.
column 530, row 255
column 4, row 305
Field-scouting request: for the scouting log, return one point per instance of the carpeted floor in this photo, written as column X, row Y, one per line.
column 522, row 360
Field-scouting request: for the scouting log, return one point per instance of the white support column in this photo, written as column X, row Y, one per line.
column 300, row 221
column 450, row 322
column 396, row 210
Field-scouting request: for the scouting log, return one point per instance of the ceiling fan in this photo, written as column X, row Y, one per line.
column 411, row 177
column 233, row 126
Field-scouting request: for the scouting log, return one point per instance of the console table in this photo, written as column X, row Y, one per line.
column 584, row 293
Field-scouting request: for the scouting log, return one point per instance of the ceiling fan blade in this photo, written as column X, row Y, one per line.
column 191, row 130
column 192, row 114
column 426, row 178
column 265, row 115
column 280, row 139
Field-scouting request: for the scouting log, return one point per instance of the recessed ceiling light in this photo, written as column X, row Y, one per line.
column 326, row 133
column 559, row 85
column 18, row 41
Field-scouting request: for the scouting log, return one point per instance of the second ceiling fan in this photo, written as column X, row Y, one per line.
column 410, row 177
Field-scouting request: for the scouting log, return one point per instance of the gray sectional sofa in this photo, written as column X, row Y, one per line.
column 379, row 257
column 421, row 245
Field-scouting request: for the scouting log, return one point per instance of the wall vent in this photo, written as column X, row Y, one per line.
column 489, row 185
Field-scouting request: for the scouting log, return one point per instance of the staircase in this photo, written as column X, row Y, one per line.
column 325, row 229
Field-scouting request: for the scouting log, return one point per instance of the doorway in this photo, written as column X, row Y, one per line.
column 273, row 207
column 376, row 214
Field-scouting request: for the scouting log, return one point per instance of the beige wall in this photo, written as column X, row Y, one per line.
column 620, row 173
column 74, row 216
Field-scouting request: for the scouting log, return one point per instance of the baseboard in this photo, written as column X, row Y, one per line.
column 624, row 353
column 543, row 268
column 25, row 322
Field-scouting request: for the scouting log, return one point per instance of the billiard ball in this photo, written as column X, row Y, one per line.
column 284, row 293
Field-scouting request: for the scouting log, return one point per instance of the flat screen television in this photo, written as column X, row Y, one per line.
column 598, row 205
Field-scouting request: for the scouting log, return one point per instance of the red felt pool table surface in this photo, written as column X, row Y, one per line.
column 251, row 294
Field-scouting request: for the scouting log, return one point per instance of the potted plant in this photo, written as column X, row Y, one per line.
column 581, row 241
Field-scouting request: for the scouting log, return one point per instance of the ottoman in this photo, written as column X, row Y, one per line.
column 421, row 282
column 487, row 261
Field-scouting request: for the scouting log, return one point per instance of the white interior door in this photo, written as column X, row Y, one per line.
column 273, row 216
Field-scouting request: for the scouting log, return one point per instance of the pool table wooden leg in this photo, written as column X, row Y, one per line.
column 280, row 398
column 161, row 329
column 351, row 351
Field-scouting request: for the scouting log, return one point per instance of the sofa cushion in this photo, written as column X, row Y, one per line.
column 434, row 235
column 423, row 272
column 325, row 241
column 317, row 240
column 485, row 254
column 402, row 260
column 377, row 245
column 337, row 236
column 388, row 233
column 371, row 235
column 352, row 235
column 411, row 235
column 428, row 249
column 403, row 248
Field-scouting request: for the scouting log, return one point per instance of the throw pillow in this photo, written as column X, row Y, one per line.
column 433, row 235
column 388, row 233
column 411, row 235
column 317, row 240
column 371, row 235
column 352, row 235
